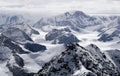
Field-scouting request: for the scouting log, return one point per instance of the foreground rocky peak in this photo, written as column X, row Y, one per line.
column 76, row 58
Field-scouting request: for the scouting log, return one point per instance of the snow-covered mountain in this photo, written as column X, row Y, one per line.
column 73, row 19
column 16, row 35
column 76, row 20
column 108, row 26
column 61, row 36
column 13, row 43
column 112, row 32
column 11, row 19
column 79, row 61
column 70, row 44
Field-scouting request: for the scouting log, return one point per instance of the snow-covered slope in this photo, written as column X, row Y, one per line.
column 112, row 32
column 26, row 28
column 75, row 58
column 16, row 34
column 12, row 45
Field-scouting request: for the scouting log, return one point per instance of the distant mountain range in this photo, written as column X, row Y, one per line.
column 108, row 26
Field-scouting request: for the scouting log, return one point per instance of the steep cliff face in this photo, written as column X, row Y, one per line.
column 76, row 58
column 114, row 56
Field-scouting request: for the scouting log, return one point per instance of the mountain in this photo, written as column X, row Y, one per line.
column 21, row 21
column 13, row 37
column 26, row 28
column 69, row 44
column 76, row 20
column 112, row 33
column 61, row 36
column 13, row 62
column 22, row 26
column 16, row 64
column 6, row 19
column 13, row 43
column 75, row 58
column 16, row 35
column 4, row 41
column 107, row 26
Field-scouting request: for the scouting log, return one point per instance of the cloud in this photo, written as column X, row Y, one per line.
column 60, row 6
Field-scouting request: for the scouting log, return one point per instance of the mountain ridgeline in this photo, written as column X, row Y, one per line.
column 79, row 61
column 107, row 26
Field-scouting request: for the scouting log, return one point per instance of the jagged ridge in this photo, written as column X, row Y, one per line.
column 77, row 57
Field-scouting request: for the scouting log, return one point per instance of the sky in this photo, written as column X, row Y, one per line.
column 44, row 7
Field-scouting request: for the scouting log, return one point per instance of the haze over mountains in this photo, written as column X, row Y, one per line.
column 69, row 44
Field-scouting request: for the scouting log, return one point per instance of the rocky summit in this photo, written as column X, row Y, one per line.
column 79, row 61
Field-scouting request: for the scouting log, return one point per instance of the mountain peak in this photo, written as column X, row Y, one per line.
column 75, row 13
column 74, row 59
column 79, row 13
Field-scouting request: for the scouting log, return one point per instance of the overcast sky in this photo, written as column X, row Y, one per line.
column 60, row 6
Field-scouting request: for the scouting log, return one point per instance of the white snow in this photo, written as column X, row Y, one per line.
column 81, row 71
column 34, row 61
column 4, row 71
column 92, row 38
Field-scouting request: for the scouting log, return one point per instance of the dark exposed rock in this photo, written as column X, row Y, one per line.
column 61, row 36
column 18, row 71
column 66, row 39
column 34, row 47
column 11, row 45
column 105, row 38
column 18, row 60
column 16, row 66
